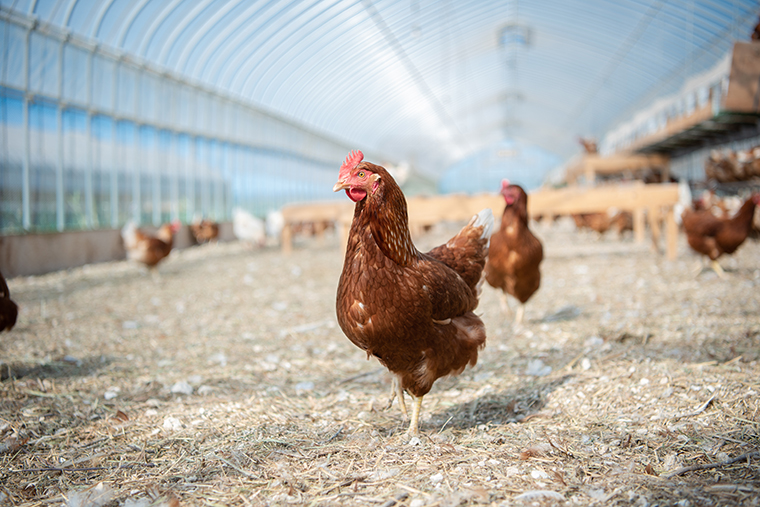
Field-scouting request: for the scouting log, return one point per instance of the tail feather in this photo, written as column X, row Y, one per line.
column 484, row 219
column 466, row 252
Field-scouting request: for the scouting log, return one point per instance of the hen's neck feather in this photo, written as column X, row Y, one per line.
column 518, row 211
column 385, row 213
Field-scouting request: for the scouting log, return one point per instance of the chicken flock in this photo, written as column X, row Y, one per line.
column 415, row 311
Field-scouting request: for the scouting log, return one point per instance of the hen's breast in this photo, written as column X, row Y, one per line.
column 377, row 298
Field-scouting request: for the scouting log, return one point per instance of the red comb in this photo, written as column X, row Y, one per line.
column 504, row 184
column 352, row 160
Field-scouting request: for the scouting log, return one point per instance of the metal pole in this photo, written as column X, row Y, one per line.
column 158, row 166
column 59, row 208
column 88, row 197
column 173, row 158
column 190, row 167
column 190, row 171
column 137, row 169
column 26, row 217
column 114, row 158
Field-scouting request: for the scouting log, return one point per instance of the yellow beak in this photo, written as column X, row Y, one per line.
column 340, row 185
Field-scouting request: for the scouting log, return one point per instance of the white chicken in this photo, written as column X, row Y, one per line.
column 275, row 223
column 248, row 227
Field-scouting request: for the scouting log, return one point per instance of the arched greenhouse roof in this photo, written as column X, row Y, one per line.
column 427, row 81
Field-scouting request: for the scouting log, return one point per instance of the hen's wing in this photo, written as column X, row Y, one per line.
column 466, row 252
column 700, row 223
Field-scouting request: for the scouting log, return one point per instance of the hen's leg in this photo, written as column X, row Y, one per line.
column 504, row 303
column 718, row 270
column 414, row 425
column 396, row 391
column 520, row 314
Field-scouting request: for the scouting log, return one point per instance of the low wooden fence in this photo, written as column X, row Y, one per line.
column 653, row 201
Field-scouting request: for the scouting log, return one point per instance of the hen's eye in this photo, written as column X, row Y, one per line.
column 361, row 174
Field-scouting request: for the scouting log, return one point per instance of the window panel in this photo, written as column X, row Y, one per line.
column 181, row 155
column 12, row 55
column 102, row 169
column 74, row 74
column 102, row 83
column 126, row 86
column 202, row 117
column 148, row 170
column 43, row 65
column 42, row 136
column 147, row 97
column 74, row 163
column 126, row 135
column 11, row 156
column 168, row 175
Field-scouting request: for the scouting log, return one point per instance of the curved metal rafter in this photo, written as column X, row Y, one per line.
column 151, row 30
column 171, row 39
column 128, row 22
column 192, row 44
column 237, row 35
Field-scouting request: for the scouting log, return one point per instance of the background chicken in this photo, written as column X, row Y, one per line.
column 248, row 227
column 204, row 231
column 515, row 253
column 8, row 309
column 589, row 145
column 713, row 236
column 599, row 222
column 149, row 250
column 275, row 222
column 411, row 310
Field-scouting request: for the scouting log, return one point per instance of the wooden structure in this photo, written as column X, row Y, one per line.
column 592, row 164
column 654, row 201
column 724, row 114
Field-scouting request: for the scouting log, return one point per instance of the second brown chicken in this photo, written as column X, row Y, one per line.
column 515, row 253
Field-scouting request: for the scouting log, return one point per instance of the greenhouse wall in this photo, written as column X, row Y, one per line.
column 90, row 139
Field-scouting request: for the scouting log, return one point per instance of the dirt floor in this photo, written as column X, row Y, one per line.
column 228, row 382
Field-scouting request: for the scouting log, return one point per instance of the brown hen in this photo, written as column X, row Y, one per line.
column 150, row 250
column 515, row 253
column 713, row 236
column 204, row 231
column 413, row 311
column 8, row 309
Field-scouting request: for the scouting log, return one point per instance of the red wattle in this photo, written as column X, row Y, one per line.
column 356, row 194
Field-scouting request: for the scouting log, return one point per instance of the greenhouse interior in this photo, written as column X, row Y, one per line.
column 200, row 198
column 155, row 111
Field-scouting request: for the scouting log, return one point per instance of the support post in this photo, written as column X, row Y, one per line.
column 671, row 232
column 60, row 218
column 26, row 214
column 638, row 225
column 89, row 201
column 655, row 224
column 287, row 239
